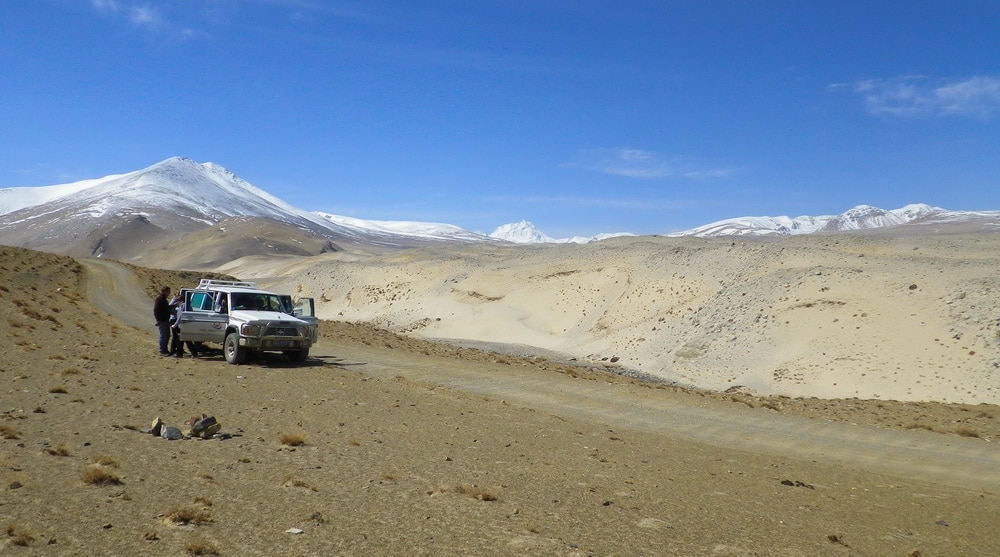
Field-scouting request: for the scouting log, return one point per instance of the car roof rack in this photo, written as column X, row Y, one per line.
column 209, row 283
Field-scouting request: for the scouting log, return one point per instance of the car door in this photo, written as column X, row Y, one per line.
column 305, row 309
column 200, row 322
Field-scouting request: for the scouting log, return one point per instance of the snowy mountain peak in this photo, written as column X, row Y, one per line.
column 860, row 217
column 522, row 232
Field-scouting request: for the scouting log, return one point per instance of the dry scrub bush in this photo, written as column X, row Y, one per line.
column 8, row 432
column 58, row 450
column 200, row 546
column 488, row 493
column 104, row 460
column 293, row 439
column 188, row 515
column 291, row 482
column 97, row 475
column 58, row 390
column 18, row 536
column 966, row 431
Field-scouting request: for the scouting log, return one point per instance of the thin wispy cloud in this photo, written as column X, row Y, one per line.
column 139, row 15
column 917, row 96
column 645, row 165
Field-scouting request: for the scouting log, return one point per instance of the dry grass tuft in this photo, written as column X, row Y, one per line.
column 58, row 390
column 19, row 536
column 104, row 460
column 58, row 450
column 200, row 546
column 487, row 493
column 183, row 516
column 97, row 475
column 291, row 482
column 293, row 439
column 966, row 431
column 8, row 432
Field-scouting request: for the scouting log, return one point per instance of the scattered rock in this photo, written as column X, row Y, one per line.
column 205, row 427
column 157, row 427
column 171, row 433
column 797, row 484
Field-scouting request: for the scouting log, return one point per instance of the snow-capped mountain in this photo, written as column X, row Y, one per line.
column 524, row 232
column 148, row 207
column 208, row 214
column 862, row 217
column 520, row 233
column 394, row 229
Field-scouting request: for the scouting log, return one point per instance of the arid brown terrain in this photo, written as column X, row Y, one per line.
column 386, row 444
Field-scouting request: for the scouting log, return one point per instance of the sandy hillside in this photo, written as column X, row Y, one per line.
column 843, row 316
column 388, row 445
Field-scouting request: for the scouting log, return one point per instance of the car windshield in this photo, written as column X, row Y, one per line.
column 257, row 301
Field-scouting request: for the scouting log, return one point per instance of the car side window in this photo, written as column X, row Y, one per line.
column 201, row 301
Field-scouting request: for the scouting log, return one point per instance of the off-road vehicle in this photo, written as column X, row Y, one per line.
column 244, row 319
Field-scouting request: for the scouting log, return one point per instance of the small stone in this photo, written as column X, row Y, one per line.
column 171, row 433
column 15, row 485
column 294, row 531
column 211, row 430
column 200, row 426
column 157, row 427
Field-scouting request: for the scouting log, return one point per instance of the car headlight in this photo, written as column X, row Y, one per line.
column 250, row 329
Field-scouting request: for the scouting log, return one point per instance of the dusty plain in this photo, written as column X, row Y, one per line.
column 388, row 442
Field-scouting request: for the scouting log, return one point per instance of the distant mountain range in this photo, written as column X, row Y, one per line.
column 860, row 218
column 165, row 214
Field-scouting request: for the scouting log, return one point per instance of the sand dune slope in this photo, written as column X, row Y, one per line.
column 828, row 316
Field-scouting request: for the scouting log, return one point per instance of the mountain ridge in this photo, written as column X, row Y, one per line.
column 127, row 216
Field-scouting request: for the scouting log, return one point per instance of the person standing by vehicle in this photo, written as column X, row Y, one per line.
column 176, row 346
column 161, row 313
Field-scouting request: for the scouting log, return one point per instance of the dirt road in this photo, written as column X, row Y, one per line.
column 947, row 459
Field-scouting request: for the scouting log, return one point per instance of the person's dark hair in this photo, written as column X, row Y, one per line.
column 165, row 290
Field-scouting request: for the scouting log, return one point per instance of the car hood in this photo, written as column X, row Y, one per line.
column 274, row 316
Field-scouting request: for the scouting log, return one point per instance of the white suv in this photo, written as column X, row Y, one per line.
column 244, row 319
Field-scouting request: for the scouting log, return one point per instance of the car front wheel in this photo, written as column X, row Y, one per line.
column 235, row 354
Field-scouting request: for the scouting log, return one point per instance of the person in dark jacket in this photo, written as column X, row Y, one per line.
column 161, row 313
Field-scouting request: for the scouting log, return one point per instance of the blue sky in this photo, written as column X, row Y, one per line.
column 580, row 116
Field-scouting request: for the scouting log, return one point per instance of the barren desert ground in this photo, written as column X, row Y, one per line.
column 389, row 443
